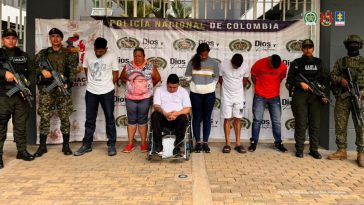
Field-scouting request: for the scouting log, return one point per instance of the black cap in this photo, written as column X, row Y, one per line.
column 9, row 32
column 56, row 31
column 307, row 43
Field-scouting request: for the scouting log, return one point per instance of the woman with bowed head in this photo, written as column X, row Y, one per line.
column 204, row 74
column 140, row 77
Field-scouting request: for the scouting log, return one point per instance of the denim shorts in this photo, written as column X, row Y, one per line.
column 137, row 111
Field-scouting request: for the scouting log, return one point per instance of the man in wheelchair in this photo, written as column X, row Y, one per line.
column 171, row 108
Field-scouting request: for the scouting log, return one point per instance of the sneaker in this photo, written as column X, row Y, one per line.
column 280, row 147
column 83, row 150
column 198, row 147
column 111, row 150
column 252, row 147
column 128, row 148
column 176, row 151
column 315, row 154
column 144, row 147
column 206, row 148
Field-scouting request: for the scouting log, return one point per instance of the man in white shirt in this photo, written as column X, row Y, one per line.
column 232, row 76
column 101, row 68
column 171, row 106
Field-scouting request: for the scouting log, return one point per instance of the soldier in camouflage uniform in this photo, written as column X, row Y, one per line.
column 66, row 64
column 353, row 43
column 14, row 107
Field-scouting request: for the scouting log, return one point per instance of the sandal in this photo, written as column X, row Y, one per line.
column 226, row 149
column 240, row 149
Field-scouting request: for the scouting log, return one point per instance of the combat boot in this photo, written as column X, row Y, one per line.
column 360, row 159
column 66, row 145
column 1, row 162
column 339, row 154
column 42, row 149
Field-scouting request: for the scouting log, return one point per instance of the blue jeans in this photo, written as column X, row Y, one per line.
column 202, row 106
column 92, row 105
column 274, row 107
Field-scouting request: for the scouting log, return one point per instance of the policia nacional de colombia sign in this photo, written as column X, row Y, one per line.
column 195, row 24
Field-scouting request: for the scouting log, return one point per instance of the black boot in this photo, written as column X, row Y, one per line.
column 42, row 149
column 24, row 155
column 66, row 145
column 1, row 162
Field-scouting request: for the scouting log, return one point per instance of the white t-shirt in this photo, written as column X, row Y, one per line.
column 232, row 86
column 171, row 101
column 99, row 72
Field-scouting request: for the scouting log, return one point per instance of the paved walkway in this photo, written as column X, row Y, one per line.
column 263, row 177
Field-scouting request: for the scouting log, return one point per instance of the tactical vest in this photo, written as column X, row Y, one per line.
column 58, row 61
column 356, row 65
column 312, row 75
column 19, row 61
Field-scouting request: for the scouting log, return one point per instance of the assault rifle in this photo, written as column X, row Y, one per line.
column 58, row 79
column 21, row 83
column 354, row 94
column 316, row 89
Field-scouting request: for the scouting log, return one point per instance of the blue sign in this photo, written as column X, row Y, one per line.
column 339, row 18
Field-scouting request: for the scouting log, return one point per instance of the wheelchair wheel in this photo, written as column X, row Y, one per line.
column 150, row 145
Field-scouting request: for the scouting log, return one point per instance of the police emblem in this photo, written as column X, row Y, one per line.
column 294, row 46
column 161, row 62
column 183, row 82
column 127, row 42
column 290, row 124
column 310, row 18
column 121, row 121
column 184, row 44
column 240, row 45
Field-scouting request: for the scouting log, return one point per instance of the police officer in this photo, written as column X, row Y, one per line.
column 15, row 106
column 66, row 64
column 353, row 43
column 306, row 106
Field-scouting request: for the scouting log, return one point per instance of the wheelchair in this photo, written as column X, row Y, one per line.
column 168, row 139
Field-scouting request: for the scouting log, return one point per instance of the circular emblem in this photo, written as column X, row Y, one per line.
column 184, row 44
column 290, row 124
column 294, row 46
column 310, row 18
column 183, row 82
column 161, row 63
column 127, row 42
column 240, row 45
column 121, row 121
column 245, row 123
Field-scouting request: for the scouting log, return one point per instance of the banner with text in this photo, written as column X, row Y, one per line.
column 171, row 43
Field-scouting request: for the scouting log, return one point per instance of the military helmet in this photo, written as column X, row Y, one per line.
column 353, row 38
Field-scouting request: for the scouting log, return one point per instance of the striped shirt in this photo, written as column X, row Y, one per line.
column 203, row 80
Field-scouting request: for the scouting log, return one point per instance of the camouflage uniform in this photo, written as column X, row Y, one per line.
column 343, row 105
column 54, row 102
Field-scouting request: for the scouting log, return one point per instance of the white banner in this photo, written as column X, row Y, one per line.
column 172, row 44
